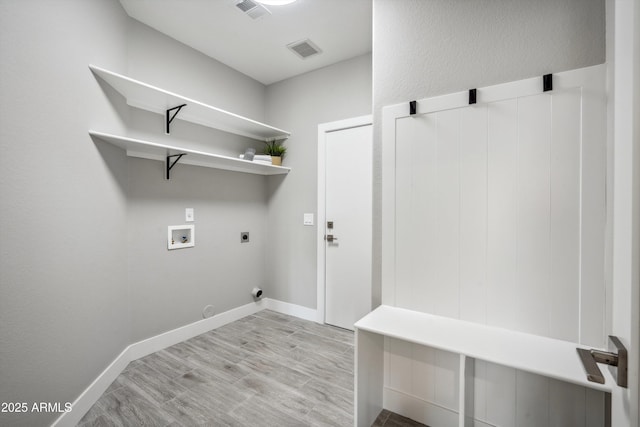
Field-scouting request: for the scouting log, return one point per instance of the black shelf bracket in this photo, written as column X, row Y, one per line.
column 412, row 107
column 171, row 164
column 472, row 96
column 170, row 116
column 547, row 82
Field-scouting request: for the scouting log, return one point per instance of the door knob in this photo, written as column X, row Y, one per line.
column 329, row 238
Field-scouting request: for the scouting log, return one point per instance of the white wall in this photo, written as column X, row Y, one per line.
column 64, row 309
column 169, row 289
column 88, row 273
column 84, row 267
column 158, row 59
column 299, row 104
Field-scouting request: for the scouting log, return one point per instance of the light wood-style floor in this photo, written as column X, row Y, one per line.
column 267, row 369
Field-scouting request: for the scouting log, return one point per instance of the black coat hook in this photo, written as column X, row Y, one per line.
column 472, row 96
column 412, row 107
column 547, row 82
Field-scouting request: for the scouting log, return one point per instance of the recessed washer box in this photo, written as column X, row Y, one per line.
column 181, row 236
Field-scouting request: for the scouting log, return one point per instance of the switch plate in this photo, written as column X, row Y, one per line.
column 308, row 219
column 188, row 214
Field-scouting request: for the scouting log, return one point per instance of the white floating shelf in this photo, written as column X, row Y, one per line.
column 154, row 99
column 532, row 353
column 156, row 151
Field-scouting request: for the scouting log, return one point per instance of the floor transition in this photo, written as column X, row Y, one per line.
column 267, row 369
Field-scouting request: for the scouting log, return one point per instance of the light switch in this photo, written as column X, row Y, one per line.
column 308, row 219
column 188, row 214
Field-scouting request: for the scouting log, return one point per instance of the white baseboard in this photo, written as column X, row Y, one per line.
column 418, row 409
column 87, row 398
column 90, row 396
column 183, row 333
column 299, row 311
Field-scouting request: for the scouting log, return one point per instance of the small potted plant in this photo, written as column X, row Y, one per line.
column 276, row 150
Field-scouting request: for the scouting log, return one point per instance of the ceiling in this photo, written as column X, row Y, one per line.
column 257, row 48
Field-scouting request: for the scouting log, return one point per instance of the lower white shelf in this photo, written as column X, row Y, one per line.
column 531, row 353
column 157, row 151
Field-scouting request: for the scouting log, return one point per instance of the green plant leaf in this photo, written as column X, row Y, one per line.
column 275, row 148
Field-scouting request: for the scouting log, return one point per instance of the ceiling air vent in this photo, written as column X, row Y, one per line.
column 253, row 9
column 304, row 48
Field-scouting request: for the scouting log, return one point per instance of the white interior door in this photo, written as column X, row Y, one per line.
column 347, row 225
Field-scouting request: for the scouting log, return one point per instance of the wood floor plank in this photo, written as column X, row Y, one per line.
column 126, row 406
column 258, row 412
column 199, row 378
column 320, row 344
column 208, row 342
column 219, row 367
column 341, row 362
column 189, row 409
column 327, row 417
column 157, row 386
column 285, row 374
column 327, row 395
column 285, row 398
column 95, row 417
column 219, row 395
column 269, row 348
column 165, row 363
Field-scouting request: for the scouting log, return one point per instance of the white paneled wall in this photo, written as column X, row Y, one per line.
column 416, row 376
column 422, row 383
column 488, row 215
column 498, row 217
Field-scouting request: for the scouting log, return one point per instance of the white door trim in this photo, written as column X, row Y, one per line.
column 625, row 409
column 323, row 129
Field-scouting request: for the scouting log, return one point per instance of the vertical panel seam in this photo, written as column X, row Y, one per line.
column 486, row 219
column 580, row 222
column 516, row 285
column 436, row 187
column 459, row 210
column 395, row 214
column 486, row 252
column 548, row 292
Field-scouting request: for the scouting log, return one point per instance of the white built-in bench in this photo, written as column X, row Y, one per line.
column 532, row 353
